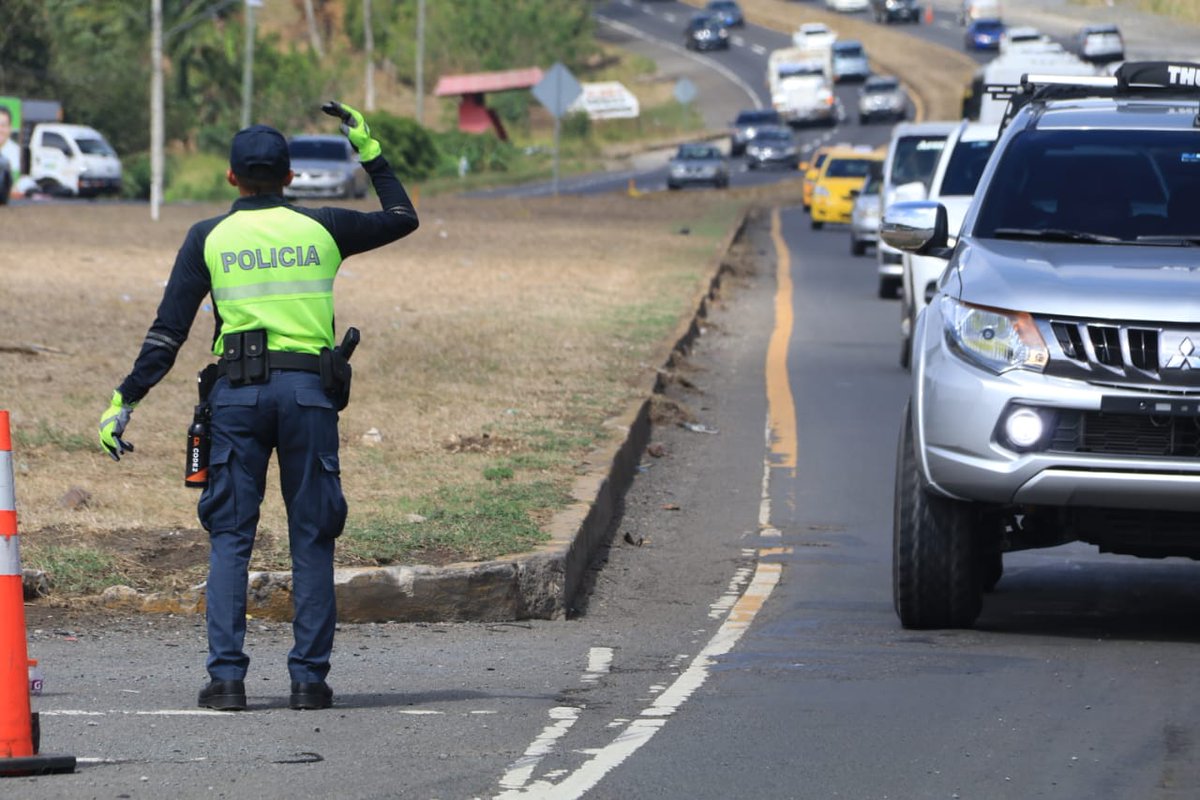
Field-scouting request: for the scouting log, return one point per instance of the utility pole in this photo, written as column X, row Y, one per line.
column 369, row 46
column 420, row 62
column 248, row 65
column 156, row 108
column 314, row 35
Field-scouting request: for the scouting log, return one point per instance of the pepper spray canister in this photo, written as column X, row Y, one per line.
column 195, row 474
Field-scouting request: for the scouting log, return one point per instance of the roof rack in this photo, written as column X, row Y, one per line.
column 1132, row 79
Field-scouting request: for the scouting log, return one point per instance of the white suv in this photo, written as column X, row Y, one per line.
column 953, row 185
column 1056, row 371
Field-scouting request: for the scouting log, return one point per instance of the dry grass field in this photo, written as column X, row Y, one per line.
column 497, row 341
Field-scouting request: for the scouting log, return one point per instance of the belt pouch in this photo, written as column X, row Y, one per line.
column 246, row 357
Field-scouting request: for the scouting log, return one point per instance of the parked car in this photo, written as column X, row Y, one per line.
column 773, row 146
column 984, row 34
column 886, row 11
column 728, row 11
column 842, row 177
column 747, row 124
column 1101, row 44
column 881, row 98
column 706, row 32
column 698, row 162
column 864, row 218
column 325, row 165
column 848, row 61
column 1055, row 374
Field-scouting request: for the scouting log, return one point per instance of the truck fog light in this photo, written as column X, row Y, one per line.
column 1024, row 427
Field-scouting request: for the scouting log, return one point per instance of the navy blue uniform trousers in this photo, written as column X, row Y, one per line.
column 291, row 415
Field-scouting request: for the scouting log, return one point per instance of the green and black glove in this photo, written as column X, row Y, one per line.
column 354, row 128
column 112, row 426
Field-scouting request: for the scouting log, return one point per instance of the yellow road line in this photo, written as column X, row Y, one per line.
column 781, row 407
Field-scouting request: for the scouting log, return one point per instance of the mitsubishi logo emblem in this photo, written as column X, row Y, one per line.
column 1184, row 357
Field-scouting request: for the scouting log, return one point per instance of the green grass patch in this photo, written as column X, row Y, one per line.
column 48, row 435
column 75, row 570
column 475, row 522
column 198, row 177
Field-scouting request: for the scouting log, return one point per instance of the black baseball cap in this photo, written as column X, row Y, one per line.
column 259, row 151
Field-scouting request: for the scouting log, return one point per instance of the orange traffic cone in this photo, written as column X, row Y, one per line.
column 929, row 15
column 18, row 726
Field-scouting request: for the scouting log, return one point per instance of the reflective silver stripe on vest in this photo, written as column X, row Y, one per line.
column 273, row 287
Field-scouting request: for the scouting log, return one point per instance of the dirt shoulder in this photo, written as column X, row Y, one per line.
column 499, row 342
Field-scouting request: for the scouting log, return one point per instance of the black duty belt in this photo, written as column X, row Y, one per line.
column 280, row 359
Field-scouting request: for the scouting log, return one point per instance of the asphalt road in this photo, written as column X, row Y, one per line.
column 738, row 640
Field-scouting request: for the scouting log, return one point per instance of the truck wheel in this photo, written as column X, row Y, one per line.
column 935, row 566
column 857, row 248
column 816, row 226
column 888, row 287
column 991, row 569
column 906, row 352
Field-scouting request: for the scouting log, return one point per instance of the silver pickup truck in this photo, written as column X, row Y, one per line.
column 1056, row 370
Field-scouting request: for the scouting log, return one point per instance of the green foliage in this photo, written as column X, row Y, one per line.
column 576, row 125
column 76, row 570
column 135, row 174
column 484, row 152
column 407, row 146
column 482, row 521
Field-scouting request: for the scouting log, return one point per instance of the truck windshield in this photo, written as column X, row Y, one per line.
column 1131, row 186
column 915, row 158
column 94, row 147
column 966, row 166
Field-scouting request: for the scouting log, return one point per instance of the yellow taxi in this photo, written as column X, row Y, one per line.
column 811, row 169
column 840, row 178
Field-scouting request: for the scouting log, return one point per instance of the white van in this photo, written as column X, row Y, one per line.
column 73, row 160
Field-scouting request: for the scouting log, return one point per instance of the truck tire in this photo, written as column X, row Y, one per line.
column 935, row 565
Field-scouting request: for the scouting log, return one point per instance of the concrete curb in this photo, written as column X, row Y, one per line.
column 538, row 585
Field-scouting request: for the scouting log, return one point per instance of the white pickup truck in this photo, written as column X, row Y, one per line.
column 72, row 160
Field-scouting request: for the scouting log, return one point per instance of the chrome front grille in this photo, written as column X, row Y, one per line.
column 1123, row 354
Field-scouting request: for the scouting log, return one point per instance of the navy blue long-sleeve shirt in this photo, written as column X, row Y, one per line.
column 190, row 282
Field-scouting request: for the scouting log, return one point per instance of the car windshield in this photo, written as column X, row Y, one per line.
column 990, row 26
column 852, row 51
column 1097, row 185
column 697, row 151
column 315, row 150
column 775, row 135
column 880, row 87
column 94, row 147
column 722, row 5
column 757, row 117
column 965, row 167
column 874, row 182
column 915, row 158
column 848, row 168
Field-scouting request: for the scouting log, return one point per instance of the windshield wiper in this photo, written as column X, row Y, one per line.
column 1178, row 241
column 1055, row 235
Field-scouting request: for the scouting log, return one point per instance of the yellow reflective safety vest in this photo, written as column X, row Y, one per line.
column 273, row 268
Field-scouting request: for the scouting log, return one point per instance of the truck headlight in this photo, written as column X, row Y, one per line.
column 994, row 339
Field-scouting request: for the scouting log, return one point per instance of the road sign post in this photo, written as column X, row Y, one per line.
column 557, row 90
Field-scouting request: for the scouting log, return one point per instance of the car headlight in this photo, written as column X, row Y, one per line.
column 820, row 191
column 994, row 339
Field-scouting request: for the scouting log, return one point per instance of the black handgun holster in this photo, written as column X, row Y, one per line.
column 335, row 376
column 245, row 357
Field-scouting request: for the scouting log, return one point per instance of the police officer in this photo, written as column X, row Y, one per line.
column 269, row 267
